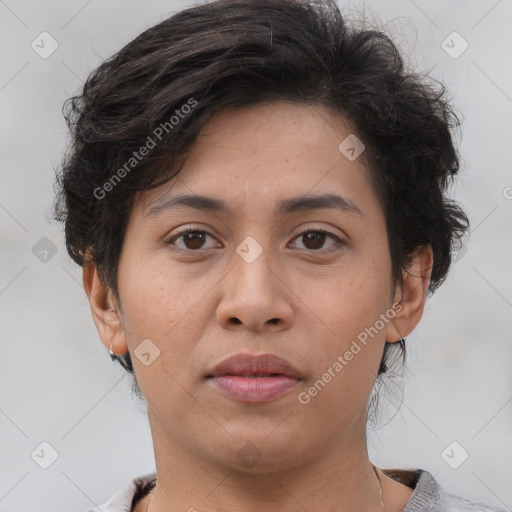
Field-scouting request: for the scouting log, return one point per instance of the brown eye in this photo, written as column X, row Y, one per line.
column 314, row 239
column 193, row 239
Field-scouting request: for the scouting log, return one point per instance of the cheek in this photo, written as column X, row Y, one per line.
column 165, row 307
column 345, row 368
column 356, row 294
column 351, row 310
column 155, row 295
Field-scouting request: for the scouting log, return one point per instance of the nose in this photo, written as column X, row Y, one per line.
column 256, row 296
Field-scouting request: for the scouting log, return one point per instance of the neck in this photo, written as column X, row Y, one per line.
column 340, row 479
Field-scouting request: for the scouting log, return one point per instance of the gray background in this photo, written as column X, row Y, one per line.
column 57, row 382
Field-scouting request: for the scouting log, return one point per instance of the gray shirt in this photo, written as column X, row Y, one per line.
column 428, row 496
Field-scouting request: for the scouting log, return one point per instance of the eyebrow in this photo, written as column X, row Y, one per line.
column 283, row 207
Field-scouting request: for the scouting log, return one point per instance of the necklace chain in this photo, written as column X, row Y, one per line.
column 374, row 469
column 150, row 496
column 380, row 487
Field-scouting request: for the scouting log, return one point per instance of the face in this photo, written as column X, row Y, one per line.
column 263, row 272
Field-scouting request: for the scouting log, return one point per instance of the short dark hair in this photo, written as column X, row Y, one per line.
column 238, row 53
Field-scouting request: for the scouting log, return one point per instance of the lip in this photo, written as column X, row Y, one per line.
column 255, row 379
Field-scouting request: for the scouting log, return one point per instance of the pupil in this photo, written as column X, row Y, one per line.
column 316, row 237
column 196, row 238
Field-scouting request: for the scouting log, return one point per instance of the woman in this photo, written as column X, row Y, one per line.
column 256, row 193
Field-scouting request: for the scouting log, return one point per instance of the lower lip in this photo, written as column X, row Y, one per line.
column 254, row 389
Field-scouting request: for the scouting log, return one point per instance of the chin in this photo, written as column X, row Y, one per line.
column 259, row 455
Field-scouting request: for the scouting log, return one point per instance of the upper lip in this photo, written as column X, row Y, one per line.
column 248, row 364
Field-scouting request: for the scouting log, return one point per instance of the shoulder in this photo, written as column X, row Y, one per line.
column 123, row 499
column 454, row 503
column 429, row 496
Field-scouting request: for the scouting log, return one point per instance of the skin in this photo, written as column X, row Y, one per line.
column 294, row 300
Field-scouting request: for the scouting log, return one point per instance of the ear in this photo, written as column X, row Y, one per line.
column 105, row 311
column 411, row 295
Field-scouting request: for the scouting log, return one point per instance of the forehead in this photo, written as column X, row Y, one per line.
column 267, row 155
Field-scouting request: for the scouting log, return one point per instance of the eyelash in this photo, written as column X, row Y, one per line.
column 315, row 230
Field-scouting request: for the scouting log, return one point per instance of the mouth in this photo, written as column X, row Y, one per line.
column 254, row 379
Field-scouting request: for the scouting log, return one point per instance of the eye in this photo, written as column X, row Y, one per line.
column 192, row 238
column 314, row 239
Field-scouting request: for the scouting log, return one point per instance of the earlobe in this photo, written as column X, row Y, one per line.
column 411, row 295
column 104, row 309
